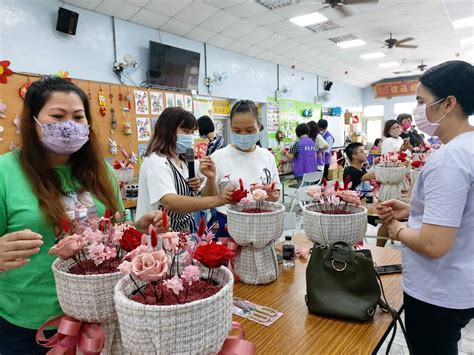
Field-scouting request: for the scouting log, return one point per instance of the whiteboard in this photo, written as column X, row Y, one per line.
column 337, row 128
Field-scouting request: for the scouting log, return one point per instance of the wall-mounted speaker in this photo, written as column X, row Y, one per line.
column 67, row 21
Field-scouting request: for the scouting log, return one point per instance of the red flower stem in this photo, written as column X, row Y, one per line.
column 209, row 274
column 79, row 265
column 153, row 283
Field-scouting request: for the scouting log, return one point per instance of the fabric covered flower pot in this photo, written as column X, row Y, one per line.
column 326, row 228
column 390, row 179
column 196, row 327
column 256, row 233
column 89, row 298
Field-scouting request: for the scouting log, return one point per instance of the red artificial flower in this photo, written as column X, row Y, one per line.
column 416, row 164
column 239, row 194
column 402, row 156
column 65, row 224
column 153, row 237
column 202, row 227
column 325, row 182
column 336, row 185
column 213, row 255
column 347, row 182
column 117, row 166
column 4, row 71
column 107, row 213
column 164, row 220
column 131, row 239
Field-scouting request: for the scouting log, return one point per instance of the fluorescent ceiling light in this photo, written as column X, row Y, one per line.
column 352, row 43
column 467, row 41
column 464, row 22
column 389, row 65
column 374, row 55
column 309, row 19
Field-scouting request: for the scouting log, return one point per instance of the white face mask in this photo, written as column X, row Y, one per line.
column 421, row 119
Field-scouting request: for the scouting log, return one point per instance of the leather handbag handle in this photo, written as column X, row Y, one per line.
column 343, row 247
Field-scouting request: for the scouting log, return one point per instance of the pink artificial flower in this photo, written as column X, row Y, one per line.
column 256, row 187
column 302, row 252
column 125, row 267
column 117, row 216
column 315, row 192
column 118, row 231
column 185, row 258
column 350, row 196
column 93, row 236
column 67, row 247
column 191, row 274
column 150, row 266
column 245, row 201
column 143, row 248
column 96, row 252
column 170, row 241
column 175, row 284
column 259, row 194
column 109, row 253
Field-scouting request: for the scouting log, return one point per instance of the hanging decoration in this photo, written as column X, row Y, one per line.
column 1, row 133
column 120, row 94
column 128, row 97
column 24, row 88
column 63, row 75
column 11, row 146
column 113, row 145
column 4, row 71
column 307, row 113
column 102, row 107
column 355, row 119
column 114, row 120
column 17, row 122
column 89, row 91
column 133, row 156
column 127, row 125
column 111, row 96
column 3, row 108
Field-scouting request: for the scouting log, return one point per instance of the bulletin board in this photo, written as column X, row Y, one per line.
column 140, row 107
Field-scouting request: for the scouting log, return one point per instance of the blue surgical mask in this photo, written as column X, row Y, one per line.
column 244, row 141
column 183, row 142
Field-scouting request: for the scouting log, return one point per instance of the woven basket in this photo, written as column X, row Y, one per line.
column 195, row 327
column 329, row 228
column 415, row 174
column 89, row 298
column 390, row 180
column 256, row 233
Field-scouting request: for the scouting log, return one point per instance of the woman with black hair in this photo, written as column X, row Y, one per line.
column 406, row 122
column 164, row 176
column 438, row 242
column 207, row 130
column 393, row 142
column 242, row 159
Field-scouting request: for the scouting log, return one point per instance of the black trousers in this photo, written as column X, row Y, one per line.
column 20, row 341
column 326, row 171
column 434, row 330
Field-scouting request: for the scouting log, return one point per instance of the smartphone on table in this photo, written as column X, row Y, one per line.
column 389, row 269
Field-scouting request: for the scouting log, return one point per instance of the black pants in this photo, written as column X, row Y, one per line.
column 433, row 330
column 20, row 341
column 326, row 171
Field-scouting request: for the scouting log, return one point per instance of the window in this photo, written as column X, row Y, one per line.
column 373, row 111
column 374, row 130
column 404, row 107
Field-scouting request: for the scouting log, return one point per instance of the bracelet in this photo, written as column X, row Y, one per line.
column 398, row 232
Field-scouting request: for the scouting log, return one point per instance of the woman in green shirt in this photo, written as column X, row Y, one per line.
column 58, row 173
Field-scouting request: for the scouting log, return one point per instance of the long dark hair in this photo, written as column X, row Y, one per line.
column 87, row 164
column 164, row 133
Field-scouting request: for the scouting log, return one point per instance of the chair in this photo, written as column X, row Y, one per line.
column 303, row 199
column 308, row 179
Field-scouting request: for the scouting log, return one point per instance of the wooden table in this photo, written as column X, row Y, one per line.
column 300, row 332
column 130, row 203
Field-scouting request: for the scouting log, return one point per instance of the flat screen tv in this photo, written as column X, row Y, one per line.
column 173, row 67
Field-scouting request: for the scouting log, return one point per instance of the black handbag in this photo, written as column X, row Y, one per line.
column 341, row 283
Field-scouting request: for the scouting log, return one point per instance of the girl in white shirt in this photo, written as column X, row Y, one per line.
column 164, row 177
column 240, row 160
column 393, row 142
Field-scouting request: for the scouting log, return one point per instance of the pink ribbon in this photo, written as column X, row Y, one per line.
column 229, row 243
column 72, row 333
column 236, row 344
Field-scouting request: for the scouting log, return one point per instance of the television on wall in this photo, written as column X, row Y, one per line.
column 173, row 67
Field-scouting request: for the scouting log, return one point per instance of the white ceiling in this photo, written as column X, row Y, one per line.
column 246, row 27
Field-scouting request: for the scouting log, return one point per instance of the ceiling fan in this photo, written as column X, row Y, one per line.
column 393, row 42
column 339, row 5
column 422, row 66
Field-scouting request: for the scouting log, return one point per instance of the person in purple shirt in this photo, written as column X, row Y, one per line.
column 438, row 242
column 323, row 130
column 303, row 153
